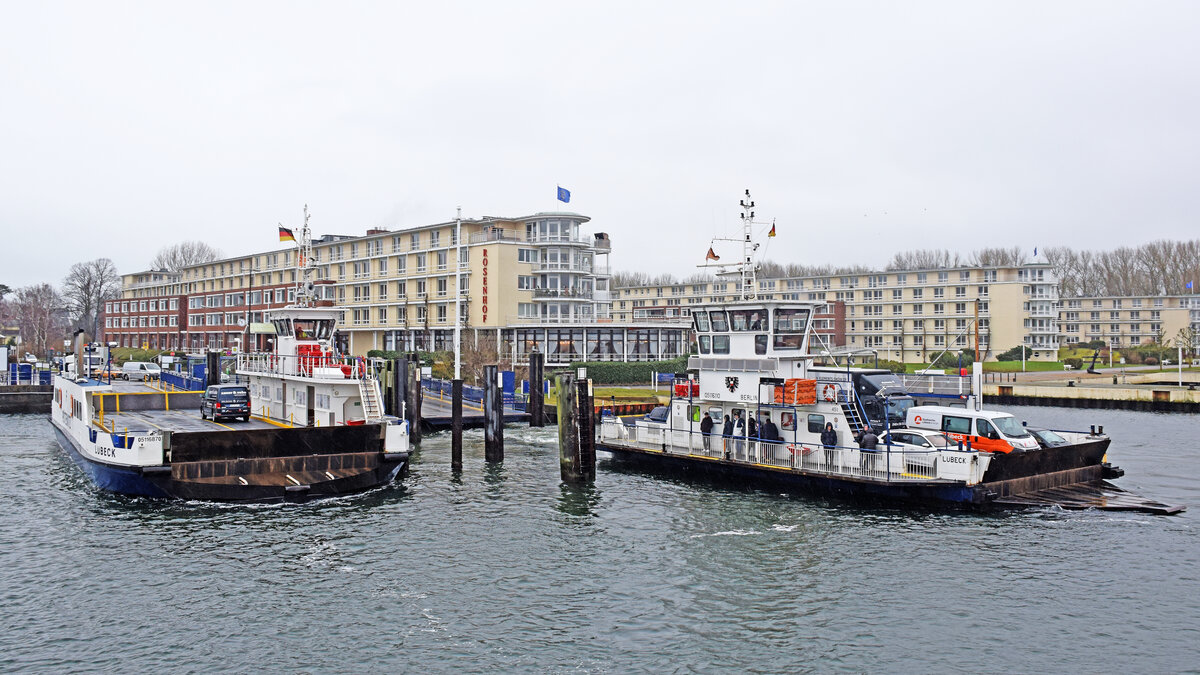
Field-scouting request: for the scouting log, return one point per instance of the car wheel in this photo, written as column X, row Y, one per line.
column 202, row 415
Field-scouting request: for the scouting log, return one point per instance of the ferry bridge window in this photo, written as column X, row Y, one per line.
column 748, row 319
column 701, row 321
column 719, row 324
column 705, row 344
column 790, row 320
column 816, row 424
column 720, row 344
column 788, row 341
column 760, row 344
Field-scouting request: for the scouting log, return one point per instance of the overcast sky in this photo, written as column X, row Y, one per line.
column 861, row 128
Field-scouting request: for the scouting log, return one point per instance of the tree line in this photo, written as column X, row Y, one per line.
column 45, row 314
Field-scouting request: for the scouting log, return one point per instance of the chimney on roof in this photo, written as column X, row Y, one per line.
column 376, row 230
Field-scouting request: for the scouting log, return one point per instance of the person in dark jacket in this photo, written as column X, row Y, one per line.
column 706, row 426
column 829, row 439
column 727, row 432
column 768, row 431
column 867, row 440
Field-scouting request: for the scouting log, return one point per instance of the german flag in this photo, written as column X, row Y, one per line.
column 286, row 234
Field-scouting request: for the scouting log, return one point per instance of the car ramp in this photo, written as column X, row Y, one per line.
column 1100, row 495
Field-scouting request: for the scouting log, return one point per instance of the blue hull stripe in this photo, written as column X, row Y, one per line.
column 121, row 479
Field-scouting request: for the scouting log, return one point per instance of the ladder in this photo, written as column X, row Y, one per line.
column 368, row 393
column 853, row 419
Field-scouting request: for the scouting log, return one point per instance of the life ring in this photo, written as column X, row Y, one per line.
column 829, row 392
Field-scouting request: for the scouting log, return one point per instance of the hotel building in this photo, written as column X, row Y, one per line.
column 533, row 282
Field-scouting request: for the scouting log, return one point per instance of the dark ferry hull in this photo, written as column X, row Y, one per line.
column 1014, row 465
column 945, row 494
column 185, row 480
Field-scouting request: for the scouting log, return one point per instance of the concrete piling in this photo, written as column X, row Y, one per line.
column 537, row 403
column 456, row 425
column 493, row 416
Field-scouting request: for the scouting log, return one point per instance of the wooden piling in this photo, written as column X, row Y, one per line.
column 568, row 431
column 537, row 402
column 414, row 400
column 585, row 419
column 212, row 368
column 397, row 376
column 493, row 416
column 456, row 426
column 400, row 373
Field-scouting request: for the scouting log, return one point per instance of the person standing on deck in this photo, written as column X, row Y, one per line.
column 706, row 426
column 829, row 440
column 867, row 441
column 739, row 432
column 727, row 432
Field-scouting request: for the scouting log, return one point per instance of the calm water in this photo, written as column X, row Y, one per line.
column 507, row 570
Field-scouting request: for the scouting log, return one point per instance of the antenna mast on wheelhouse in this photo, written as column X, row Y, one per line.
column 305, row 289
column 749, row 281
column 747, row 269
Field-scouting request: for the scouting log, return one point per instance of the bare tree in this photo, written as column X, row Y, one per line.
column 997, row 257
column 177, row 256
column 86, row 287
column 629, row 279
column 924, row 260
column 39, row 310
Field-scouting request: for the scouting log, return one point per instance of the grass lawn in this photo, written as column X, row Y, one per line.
column 1015, row 366
column 622, row 394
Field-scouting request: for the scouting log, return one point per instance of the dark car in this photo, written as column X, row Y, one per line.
column 226, row 400
column 1047, row 438
column 659, row 414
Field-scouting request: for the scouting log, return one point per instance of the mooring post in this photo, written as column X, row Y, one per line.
column 414, row 400
column 537, row 403
column 400, row 388
column 493, row 416
column 456, row 425
column 568, row 431
column 212, row 368
column 585, row 418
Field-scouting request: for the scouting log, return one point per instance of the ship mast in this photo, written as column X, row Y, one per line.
column 747, row 269
column 749, row 289
column 305, row 290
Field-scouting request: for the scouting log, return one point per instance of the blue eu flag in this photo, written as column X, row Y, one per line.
column 1189, row 285
column 564, row 195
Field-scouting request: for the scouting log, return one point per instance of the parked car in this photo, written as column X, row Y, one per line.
column 140, row 370
column 1047, row 438
column 918, row 445
column 226, row 400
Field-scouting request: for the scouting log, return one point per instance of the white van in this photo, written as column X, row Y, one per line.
column 985, row 430
column 140, row 370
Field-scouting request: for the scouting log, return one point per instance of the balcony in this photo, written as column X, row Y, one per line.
column 562, row 266
column 495, row 235
column 562, row 294
column 579, row 240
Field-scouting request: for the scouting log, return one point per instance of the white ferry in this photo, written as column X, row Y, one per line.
column 316, row 426
column 754, row 363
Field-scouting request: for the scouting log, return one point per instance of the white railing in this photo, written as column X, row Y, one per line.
column 316, row 367
column 886, row 463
